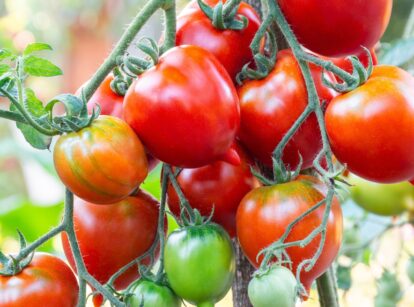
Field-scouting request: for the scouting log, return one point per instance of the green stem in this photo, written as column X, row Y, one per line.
column 170, row 27
column 328, row 296
column 80, row 265
column 28, row 118
column 230, row 5
column 409, row 27
column 161, row 219
column 40, row 241
column 183, row 200
column 139, row 21
column 17, row 117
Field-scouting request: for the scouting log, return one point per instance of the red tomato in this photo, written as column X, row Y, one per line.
column 111, row 104
column 337, row 28
column 269, row 108
column 112, row 236
column 371, row 128
column 191, row 108
column 219, row 185
column 102, row 163
column 231, row 47
column 46, row 281
column 265, row 212
column 109, row 101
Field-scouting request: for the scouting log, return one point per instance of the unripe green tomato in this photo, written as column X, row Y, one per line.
column 276, row 288
column 382, row 199
column 410, row 269
column 200, row 264
column 150, row 294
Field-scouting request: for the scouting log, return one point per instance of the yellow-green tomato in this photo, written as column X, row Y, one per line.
column 200, row 264
column 151, row 294
column 276, row 288
column 382, row 199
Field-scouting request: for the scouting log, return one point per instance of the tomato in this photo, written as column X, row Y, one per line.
column 150, row 294
column 184, row 124
column 410, row 269
column 112, row 236
column 111, row 104
column 231, row 47
column 102, row 163
column 219, row 185
column 337, row 28
column 276, row 285
column 200, row 263
column 46, row 281
column 382, row 199
column 269, row 108
column 382, row 109
column 265, row 213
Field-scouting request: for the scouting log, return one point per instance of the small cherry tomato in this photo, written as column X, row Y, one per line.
column 269, row 108
column 220, row 185
column 231, row 47
column 371, row 128
column 151, row 294
column 200, row 263
column 184, row 124
column 102, row 163
column 46, row 281
column 276, row 287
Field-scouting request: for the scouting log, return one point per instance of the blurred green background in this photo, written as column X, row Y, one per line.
column 82, row 33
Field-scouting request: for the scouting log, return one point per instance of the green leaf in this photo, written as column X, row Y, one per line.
column 366, row 256
column 36, row 47
column 4, row 68
column 73, row 105
column 4, row 54
column 398, row 52
column 32, row 136
column 39, row 67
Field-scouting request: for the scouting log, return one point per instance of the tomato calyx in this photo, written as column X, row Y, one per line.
column 224, row 16
column 13, row 265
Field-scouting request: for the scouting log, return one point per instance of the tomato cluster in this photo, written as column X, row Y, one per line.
column 188, row 112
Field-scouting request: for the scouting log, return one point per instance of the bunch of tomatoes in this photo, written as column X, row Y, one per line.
column 188, row 112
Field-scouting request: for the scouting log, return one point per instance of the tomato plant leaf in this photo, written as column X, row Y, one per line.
column 36, row 47
column 39, row 67
column 398, row 52
column 4, row 54
column 4, row 68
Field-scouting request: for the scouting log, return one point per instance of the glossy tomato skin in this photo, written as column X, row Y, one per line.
column 191, row 108
column 200, row 263
column 111, row 103
column 150, row 294
column 382, row 199
column 371, row 128
column 220, row 185
column 265, row 213
column 230, row 47
column 278, row 284
column 46, row 282
column 102, row 163
column 111, row 236
column 269, row 108
column 337, row 28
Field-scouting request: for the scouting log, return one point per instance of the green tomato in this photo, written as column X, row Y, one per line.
column 382, row 199
column 150, row 294
column 200, row 264
column 410, row 269
column 277, row 288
